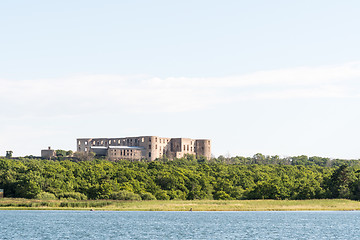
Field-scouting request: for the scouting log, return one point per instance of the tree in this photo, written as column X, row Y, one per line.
column 60, row 153
column 271, row 189
column 258, row 158
column 84, row 156
column 9, row 154
column 340, row 181
column 69, row 153
column 201, row 159
column 300, row 160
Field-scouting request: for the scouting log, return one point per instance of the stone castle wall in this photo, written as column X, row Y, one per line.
column 145, row 147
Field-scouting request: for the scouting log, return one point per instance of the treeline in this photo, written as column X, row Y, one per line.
column 179, row 179
column 295, row 160
column 258, row 158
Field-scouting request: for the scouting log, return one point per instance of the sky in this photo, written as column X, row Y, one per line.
column 271, row 77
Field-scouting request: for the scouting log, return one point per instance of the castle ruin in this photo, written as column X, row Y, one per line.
column 144, row 147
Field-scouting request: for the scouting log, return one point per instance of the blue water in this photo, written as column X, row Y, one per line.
column 178, row 225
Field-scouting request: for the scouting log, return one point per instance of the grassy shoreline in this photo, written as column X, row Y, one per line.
column 181, row 205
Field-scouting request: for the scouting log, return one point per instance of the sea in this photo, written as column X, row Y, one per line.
column 34, row 224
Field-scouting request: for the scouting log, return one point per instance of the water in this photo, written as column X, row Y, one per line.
column 178, row 225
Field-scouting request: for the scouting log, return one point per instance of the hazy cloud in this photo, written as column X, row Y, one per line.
column 103, row 93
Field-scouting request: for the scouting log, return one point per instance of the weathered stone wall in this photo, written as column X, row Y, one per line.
column 48, row 153
column 152, row 147
column 122, row 153
column 203, row 148
column 182, row 146
column 83, row 144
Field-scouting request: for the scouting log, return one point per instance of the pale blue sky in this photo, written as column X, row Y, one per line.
column 276, row 77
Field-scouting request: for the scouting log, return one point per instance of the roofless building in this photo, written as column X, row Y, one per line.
column 145, row 147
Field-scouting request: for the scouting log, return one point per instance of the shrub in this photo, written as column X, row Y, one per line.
column 75, row 204
column 100, row 203
column 176, row 194
column 45, row 196
column 161, row 195
column 125, row 195
column 72, row 195
column 147, row 196
column 221, row 195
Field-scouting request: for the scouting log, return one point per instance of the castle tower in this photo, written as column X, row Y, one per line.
column 203, row 148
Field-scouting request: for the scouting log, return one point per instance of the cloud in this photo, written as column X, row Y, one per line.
column 85, row 94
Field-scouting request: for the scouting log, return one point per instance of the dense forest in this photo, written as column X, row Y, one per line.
column 257, row 177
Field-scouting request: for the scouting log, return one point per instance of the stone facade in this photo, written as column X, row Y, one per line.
column 145, row 147
column 48, row 153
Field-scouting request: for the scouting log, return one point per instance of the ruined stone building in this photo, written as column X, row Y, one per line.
column 48, row 153
column 144, row 147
